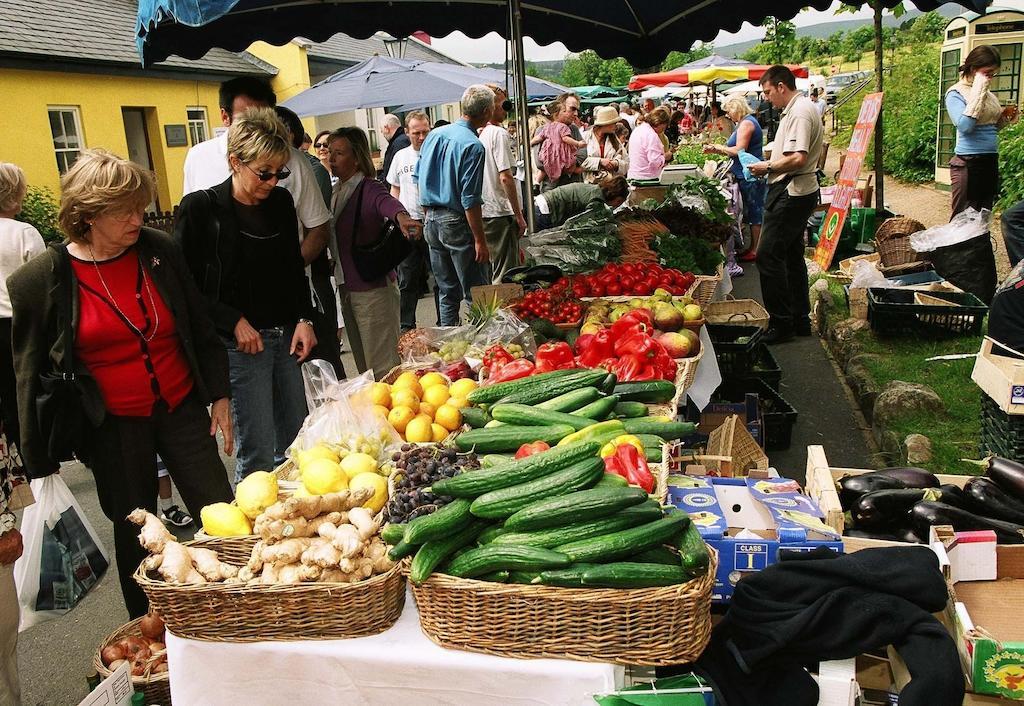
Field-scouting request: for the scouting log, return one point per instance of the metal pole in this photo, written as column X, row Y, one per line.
column 879, row 171
column 519, row 67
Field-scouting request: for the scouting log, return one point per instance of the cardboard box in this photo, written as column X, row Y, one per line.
column 748, row 520
column 1000, row 377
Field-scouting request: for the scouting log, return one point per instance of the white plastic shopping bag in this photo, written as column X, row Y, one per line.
column 63, row 559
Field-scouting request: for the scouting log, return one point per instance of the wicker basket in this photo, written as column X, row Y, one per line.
column 737, row 311
column 704, row 286
column 156, row 687
column 686, row 372
column 892, row 240
column 642, row 626
column 220, row 612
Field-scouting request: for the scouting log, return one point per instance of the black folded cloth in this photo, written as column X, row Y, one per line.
column 820, row 606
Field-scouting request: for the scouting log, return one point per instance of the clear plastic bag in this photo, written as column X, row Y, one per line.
column 964, row 226
column 505, row 328
column 64, row 557
column 866, row 275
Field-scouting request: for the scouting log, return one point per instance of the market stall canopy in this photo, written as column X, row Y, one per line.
column 802, row 84
column 707, row 75
column 641, row 31
column 381, row 81
column 588, row 92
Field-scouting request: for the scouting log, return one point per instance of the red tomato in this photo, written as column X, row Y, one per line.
column 613, row 289
column 530, row 449
column 629, row 268
column 627, row 282
column 597, row 289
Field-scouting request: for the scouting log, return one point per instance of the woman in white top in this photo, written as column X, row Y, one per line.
column 19, row 243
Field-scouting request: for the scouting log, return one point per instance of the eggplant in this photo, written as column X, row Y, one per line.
column 852, row 487
column 864, row 534
column 954, row 495
column 537, row 274
column 881, row 510
column 908, row 535
column 927, row 514
column 1008, row 474
column 912, row 477
column 993, row 501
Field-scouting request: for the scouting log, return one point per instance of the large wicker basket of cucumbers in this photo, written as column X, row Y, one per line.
column 543, row 557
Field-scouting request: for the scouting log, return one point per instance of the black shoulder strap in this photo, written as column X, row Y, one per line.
column 359, row 212
column 67, row 366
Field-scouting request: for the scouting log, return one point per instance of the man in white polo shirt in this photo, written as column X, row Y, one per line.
column 792, row 197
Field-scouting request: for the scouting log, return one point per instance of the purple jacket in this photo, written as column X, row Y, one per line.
column 377, row 205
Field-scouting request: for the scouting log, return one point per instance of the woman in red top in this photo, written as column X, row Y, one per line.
column 145, row 353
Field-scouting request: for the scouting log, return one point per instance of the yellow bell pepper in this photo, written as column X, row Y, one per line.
column 609, row 448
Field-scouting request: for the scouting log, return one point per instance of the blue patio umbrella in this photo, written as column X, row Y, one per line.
column 409, row 83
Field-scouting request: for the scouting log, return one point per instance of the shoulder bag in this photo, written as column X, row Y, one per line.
column 377, row 258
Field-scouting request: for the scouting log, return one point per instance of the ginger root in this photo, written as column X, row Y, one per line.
column 287, row 552
column 272, row 530
column 176, row 566
column 321, row 553
column 210, row 566
column 154, row 535
column 363, row 521
column 345, row 538
column 309, row 506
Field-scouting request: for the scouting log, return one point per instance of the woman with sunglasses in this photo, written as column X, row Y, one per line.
column 323, row 153
column 241, row 244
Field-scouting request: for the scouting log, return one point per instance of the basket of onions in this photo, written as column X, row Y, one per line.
column 141, row 644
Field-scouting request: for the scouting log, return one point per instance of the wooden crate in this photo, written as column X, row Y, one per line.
column 998, row 375
column 504, row 293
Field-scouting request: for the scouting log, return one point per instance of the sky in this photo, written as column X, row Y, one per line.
column 491, row 47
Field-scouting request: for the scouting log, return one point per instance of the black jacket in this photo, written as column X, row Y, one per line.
column 37, row 289
column 206, row 228
column 397, row 142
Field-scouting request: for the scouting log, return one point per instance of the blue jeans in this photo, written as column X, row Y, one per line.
column 268, row 402
column 453, row 260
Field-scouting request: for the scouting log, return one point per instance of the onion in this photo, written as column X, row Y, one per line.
column 110, row 654
column 159, row 668
column 138, row 668
column 115, row 664
column 132, row 645
column 155, row 647
column 152, row 626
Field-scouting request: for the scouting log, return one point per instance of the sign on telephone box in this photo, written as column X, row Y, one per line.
column 846, row 187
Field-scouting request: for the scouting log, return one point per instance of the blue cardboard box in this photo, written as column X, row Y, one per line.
column 748, row 520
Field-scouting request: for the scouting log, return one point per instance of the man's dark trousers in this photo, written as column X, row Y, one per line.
column 780, row 258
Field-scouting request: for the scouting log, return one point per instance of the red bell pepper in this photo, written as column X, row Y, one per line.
column 635, row 466
column 520, row 368
column 495, row 357
column 598, row 347
column 636, row 344
column 613, row 465
column 665, row 365
column 554, row 356
column 633, row 321
column 530, row 449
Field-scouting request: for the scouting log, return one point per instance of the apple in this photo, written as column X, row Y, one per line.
column 668, row 318
column 676, row 344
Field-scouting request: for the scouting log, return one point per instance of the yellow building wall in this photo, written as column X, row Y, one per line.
column 25, row 137
column 292, row 63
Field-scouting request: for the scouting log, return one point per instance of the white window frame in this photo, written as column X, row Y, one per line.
column 195, row 123
column 61, row 153
column 371, row 130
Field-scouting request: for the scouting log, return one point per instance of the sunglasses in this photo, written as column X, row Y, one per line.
column 267, row 176
column 321, row 145
column 507, row 105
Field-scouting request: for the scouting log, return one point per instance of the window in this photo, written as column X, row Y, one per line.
column 66, row 129
column 1006, row 83
column 196, row 116
column 949, row 74
column 371, row 130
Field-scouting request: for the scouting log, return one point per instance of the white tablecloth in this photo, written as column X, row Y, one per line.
column 399, row 667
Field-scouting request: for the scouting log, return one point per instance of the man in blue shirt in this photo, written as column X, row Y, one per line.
column 450, row 174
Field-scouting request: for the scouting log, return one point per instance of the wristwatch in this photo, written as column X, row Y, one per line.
column 768, row 169
column 304, row 321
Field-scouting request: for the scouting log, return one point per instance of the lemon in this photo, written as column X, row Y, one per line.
column 381, row 411
column 428, row 410
column 378, row 484
column 458, row 402
column 323, row 476
column 400, row 417
column 431, row 379
column 356, row 463
column 256, row 493
column 436, row 395
column 317, row 451
column 380, row 394
column 405, row 398
column 404, row 379
column 462, row 388
column 448, row 417
column 411, row 384
column 419, row 431
column 224, row 520
column 438, row 433
column 301, row 492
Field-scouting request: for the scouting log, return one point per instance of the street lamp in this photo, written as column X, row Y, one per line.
column 395, row 47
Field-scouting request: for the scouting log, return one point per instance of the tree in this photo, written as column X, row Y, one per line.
column 927, row 28
column 589, row 69
column 532, row 70
column 675, row 59
column 779, row 40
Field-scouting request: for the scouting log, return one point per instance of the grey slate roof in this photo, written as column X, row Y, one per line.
column 345, row 49
column 98, row 32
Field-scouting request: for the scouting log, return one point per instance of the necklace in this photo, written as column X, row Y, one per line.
column 152, row 303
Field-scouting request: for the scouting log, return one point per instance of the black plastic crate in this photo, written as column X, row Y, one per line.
column 778, row 415
column 734, row 346
column 893, row 312
column 1002, row 434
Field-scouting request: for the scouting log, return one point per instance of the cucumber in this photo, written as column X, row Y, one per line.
column 624, row 543
column 493, row 393
column 493, row 557
column 595, row 432
column 630, row 517
column 523, row 577
column 499, row 504
column 693, row 552
column 653, row 446
column 491, row 460
column 598, row 409
column 392, row 533
column 527, row 415
column 570, row 577
column 433, row 553
column 581, row 505
column 554, row 388
column 474, row 483
column 612, row 480
column 657, row 555
column 490, row 534
column 607, row 385
column 440, row 523
column 628, row 574
column 495, row 577
column 509, row 438
column 475, row 417
column 564, row 403
column 629, row 409
column 658, row 426
column 653, row 391
column 401, row 550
